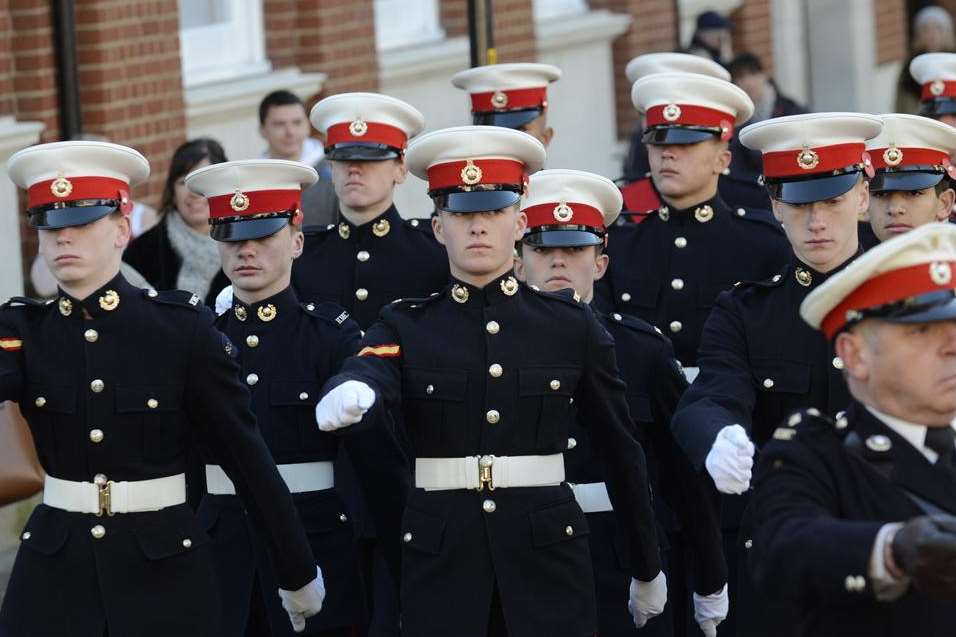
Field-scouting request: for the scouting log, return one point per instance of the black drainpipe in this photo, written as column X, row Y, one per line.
column 64, row 20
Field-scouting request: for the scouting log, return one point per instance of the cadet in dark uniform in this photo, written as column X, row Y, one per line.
column 855, row 515
column 911, row 186
column 115, row 382
column 485, row 373
column 758, row 362
column 936, row 73
column 287, row 349
column 669, row 268
column 568, row 214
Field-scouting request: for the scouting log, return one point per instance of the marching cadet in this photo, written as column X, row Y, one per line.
column 758, row 362
column 669, row 268
column 568, row 215
column 287, row 349
column 485, row 373
column 114, row 548
column 510, row 95
column 855, row 515
column 911, row 186
column 936, row 73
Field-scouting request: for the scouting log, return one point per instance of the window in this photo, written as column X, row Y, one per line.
column 401, row 23
column 550, row 9
column 220, row 39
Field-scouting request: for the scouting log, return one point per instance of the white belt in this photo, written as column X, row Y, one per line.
column 114, row 497
column 690, row 373
column 495, row 472
column 300, row 477
column 592, row 497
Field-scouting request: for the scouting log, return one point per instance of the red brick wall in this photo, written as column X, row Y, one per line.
column 513, row 25
column 6, row 59
column 753, row 31
column 34, row 62
column 891, row 30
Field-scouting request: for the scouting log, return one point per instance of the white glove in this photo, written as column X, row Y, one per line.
column 710, row 610
column 647, row 599
column 224, row 300
column 344, row 405
column 731, row 460
column 305, row 602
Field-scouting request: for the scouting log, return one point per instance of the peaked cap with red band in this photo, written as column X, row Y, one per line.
column 508, row 95
column 911, row 153
column 936, row 73
column 567, row 208
column 686, row 108
column 475, row 168
column 908, row 279
column 666, row 62
column 251, row 198
column 814, row 156
column 365, row 126
column 75, row 183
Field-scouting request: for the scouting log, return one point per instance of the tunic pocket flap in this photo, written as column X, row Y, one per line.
column 148, row 398
column 422, row 531
column 435, row 384
column 57, row 398
column 294, row 393
column 781, row 376
column 548, row 381
column 160, row 541
column 558, row 523
column 45, row 532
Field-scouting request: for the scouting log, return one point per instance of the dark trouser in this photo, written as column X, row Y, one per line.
column 380, row 591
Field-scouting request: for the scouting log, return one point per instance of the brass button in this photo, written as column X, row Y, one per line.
column 492, row 327
column 429, row 389
column 489, row 506
column 91, row 336
column 152, row 403
column 617, row 317
column 98, row 531
column 26, row 535
column 496, row 370
column 100, row 480
column 680, row 242
column 96, row 435
column 748, row 544
column 741, row 212
column 97, row 386
column 304, row 395
column 677, row 284
column 252, row 379
column 838, row 362
column 626, row 297
column 343, row 517
column 407, row 538
column 768, row 383
column 676, row 326
column 361, row 294
column 40, row 401
column 555, row 384
column 572, row 443
column 252, row 340
column 569, row 530
column 362, row 256
column 492, row 416
column 187, row 543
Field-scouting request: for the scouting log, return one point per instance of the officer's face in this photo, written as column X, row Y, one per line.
column 823, row 234
column 81, row 255
column 554, row 269
column 907, row 371
column 480, row 245
column 539, row 129
column 260, row 268
column 686, row 174
column 367, row 185
column 285, row 129
column 895, row 212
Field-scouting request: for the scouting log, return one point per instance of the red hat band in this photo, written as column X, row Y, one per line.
column 891, row 287
column 67, row 189
column 249, row 204
column 514, row 99
column 691, row 115
column 367, row 132
column 894, row 157
column 477, row 172
column 938, row 88
column 811, row 161
column 564, row 213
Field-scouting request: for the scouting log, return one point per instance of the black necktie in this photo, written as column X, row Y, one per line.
column 942, row 440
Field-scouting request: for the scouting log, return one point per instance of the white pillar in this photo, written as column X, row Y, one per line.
column 14, row 135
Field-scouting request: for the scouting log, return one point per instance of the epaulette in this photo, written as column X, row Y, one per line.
column 810, row 422
column 773, row 282
column 636, row 324
column 422, row 225
column 181, row 298
column 566, row 295
column 317, row 229
column 414, row 303
column 23, row 301
column 329, row 312
column 757, row 215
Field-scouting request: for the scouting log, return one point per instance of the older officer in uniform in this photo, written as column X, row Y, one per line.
column 911, row 186
column 855, row 515
column 669, row 268
column 287, row 349
column 568, row 215
column 114, row 548
column 485, row 373
column 757, row 361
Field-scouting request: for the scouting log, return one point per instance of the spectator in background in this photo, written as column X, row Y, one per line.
column 178, row 253
column 932, row 32
column 712, row 37
column 284, row 124
column 748, row 73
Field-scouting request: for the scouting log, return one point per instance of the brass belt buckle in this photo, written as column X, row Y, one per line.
column 486, row 472
column 106, row 505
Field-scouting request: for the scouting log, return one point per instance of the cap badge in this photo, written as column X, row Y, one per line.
column 879, row 443
column 471, row 174
column 852, row 316
column 808, row 159
column 109, row 300
column 664, row 213
column 940, row 273
column 240, row 312
column 704, row 214
column 459, row 293
column 804, row 277
column 509, row 286
column 563, row 212
column 358, row 128
column 344, row 230
column 381, row 228
column 66, row 307
column 499, row 99
column 937, row 87
column 671, row 112
column 61, row 187
column 239, row 201
column 266, row 312
column 892, row 156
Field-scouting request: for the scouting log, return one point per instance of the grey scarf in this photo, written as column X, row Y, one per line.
column 199, row 255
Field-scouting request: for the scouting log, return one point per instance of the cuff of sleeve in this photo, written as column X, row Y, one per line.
column 886, row 587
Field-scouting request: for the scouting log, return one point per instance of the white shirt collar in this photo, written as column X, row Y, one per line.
column 913, row 433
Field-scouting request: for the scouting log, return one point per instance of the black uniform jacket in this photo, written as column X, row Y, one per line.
column 433, row 358
column 150, row 372
column 823, row 490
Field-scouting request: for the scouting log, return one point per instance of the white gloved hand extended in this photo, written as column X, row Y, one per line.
column 731, row 460
column 710, row 610
column 344, row 405
column 305, row 602
column 647, row 599
column 224, row 300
